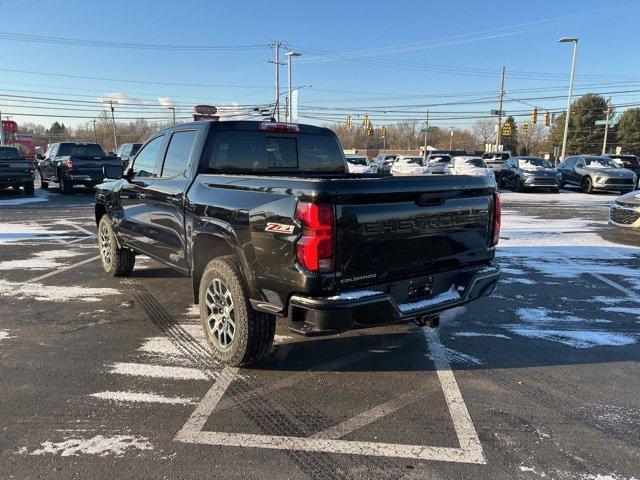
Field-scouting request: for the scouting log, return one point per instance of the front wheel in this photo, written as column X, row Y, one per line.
column 237, row 334
column 116, row 261
column 587, row 185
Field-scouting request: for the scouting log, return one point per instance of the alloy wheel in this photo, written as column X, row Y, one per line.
column 105, row 245
column 220, row 314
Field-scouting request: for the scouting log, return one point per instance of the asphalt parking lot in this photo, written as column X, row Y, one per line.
column 107, row 378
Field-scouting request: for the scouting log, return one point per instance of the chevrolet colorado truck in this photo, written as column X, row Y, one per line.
column 15, row 170
column 69, row 164
column 267, row 221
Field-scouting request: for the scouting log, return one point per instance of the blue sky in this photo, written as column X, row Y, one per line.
column 467, row 42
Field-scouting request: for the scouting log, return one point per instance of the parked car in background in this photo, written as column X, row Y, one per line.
column 495, row 160
column 591, row 173
column 267, row 222
column 15, row 170
column 127, row 151
column 625, row 211
column 436, row 163
column 520, row 173
column 359, row 164
column 468, row 165
column 408, row 165
column 629, row 162
column 384, row 162
column 69, row 164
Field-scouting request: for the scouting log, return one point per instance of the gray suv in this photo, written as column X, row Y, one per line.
column 591, row 173
column 519, row 173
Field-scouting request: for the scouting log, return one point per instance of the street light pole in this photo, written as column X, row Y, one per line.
column 173, row 110
column 499, row 132
column 289, row 56
column 113, row 121
column 451, row 139
column 95, row 134
column 573, row 71
column 606, row 127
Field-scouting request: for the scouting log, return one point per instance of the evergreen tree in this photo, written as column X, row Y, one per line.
column 628, row 131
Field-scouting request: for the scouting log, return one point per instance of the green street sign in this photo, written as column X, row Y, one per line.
column 604, row 122
column 428, row 130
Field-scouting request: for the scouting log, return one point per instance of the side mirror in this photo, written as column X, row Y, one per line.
column 112, row 172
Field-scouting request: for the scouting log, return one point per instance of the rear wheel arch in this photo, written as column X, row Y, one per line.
column 100, row 210
column 204, row 249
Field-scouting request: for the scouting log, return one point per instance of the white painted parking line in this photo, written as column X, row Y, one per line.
column 137, row 397
column 158, row 371
column 469, row 451
column 62, row 269
column 632, row 295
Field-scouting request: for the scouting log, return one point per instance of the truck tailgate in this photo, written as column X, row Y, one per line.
column 394, row 227
column 92, row 166
column 14, row 169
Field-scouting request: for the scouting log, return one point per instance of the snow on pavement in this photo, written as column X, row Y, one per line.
column 99, row 445
column 40, row 260
column 53, row 293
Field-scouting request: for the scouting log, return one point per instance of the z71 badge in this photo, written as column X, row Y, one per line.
column 279, row 228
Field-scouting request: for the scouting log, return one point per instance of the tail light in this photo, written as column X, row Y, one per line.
column 279, row 127
column 315, row 248
column 497, row 219
column 68, row 164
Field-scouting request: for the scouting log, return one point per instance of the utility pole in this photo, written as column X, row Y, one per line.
column 425, row 135
column 451, row 139
column 277, row 63
column 95, row 133
column 113, row 121
column 499, row 132
column 606, row 127
column 573, row 71
column 289, row 56
column 1, row 130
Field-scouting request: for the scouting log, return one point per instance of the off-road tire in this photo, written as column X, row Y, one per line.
column 253, row 330
column 120, row 261
column 29, row 189
column 43, row 183
column 587, row 185
column 65, row 186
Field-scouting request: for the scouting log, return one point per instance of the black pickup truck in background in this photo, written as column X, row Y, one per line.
column 15, row 170
column 268, row 223
column 69, row 164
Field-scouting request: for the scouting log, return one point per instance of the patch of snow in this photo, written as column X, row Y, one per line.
column 542, row 315
column 160, row 346
column 137, row 397
column 480, row 334
column 575, row 338
column 40, row 196
column 513, row 271
column 193, row 311
column 99, row 445
column 158, row 371
column 448, row 296
column 53, row 293
column 40, row 260
column 354, row 295
column 523, row 281
column 609, row 300
column 629, row 310
column 4, row 334
column 454, row 356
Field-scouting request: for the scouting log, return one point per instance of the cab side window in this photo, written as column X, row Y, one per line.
column 145, row 164
column 178, row 153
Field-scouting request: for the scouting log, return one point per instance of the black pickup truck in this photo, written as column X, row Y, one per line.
column 16, row 171
column 69, row 164
column 268, row 222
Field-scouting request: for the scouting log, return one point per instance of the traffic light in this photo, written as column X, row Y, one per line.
column 384, row 131
column 506, row 130
column 534, row 116
column 545, row 119
column 348, row 122
column 525, row 127
column 370, row 130
column 366, row 121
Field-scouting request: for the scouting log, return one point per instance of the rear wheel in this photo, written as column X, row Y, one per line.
column 43, row 183
column 587, row 185
column 66, row 186
column 116, row 261
column 29, row 189
column 237, row 334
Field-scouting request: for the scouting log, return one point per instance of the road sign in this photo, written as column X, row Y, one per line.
column 495, row 112
column 428, row 130
column 604, row 122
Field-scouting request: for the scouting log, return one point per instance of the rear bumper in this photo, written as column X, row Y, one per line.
column 85, row 178
column 383, row 305
column 16, row 178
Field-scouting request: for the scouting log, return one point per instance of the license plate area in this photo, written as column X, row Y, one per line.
column 420, row 288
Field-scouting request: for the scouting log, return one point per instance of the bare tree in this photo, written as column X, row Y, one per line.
column 484, row 131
